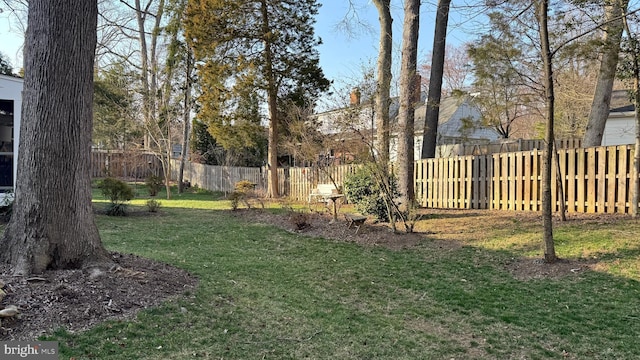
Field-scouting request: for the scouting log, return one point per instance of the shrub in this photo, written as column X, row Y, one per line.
column 244, row 191
column 244, row 186
column 6, row 206
column 300, row 220
column 235, row 198
column 116, row 209
column 362, row 190
column 153, row 205
column 118, row 193
column 154, row 184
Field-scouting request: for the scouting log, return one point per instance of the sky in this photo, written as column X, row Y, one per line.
column 342, row 55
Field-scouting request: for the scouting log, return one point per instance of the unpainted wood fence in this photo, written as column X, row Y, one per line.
column 124, row 164
column 594, row 180
column 507, row 145
column 217, row 178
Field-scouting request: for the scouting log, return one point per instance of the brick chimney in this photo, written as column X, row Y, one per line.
column 354, row 97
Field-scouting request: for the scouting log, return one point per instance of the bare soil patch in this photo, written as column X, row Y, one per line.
column 78, row 299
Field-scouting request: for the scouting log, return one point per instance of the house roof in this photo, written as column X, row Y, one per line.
column 448, row 107
column 452, row 110
column 620, row 102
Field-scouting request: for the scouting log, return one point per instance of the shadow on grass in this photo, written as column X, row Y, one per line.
column 265, row 292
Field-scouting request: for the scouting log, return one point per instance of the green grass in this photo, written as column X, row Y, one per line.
column 265, row 293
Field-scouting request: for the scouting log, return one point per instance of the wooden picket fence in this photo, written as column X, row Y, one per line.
column 124, row 164
column 594, row 180
column 217, row 178
column 504, row 146
column 298, row 182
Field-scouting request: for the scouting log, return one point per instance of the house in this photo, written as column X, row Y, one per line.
column 10, row 110
column 620, row 128
column 459, row 123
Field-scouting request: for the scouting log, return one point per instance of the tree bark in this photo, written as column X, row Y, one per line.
column 186, row 119
column 547, row 215
column 272, row 102
column 430, row 133
column 52, row 225
column 635, row 211
column 408, row 89
column 382, row 100
column 606, row 76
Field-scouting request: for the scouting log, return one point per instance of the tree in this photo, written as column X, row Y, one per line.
column 382, row 99
column 408, row 90
column 254, row 52
column 114, row 123
column 613, row 24
column 456, row 72
column 186, row 120
column 52, row 225
column 179, row 83
column 204, row 148
column 503, row 96
column 5, row 66
column 430, row 133
column 630, row 70
column 542, row 11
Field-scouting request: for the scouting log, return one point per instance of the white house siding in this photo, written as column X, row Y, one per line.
column 619, row 129
column 11, row 91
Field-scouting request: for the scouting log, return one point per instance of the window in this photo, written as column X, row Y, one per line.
column 6, row 145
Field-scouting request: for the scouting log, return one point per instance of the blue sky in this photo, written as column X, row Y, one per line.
column 342, row 56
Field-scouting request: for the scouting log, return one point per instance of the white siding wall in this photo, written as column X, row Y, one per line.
column 619, row 130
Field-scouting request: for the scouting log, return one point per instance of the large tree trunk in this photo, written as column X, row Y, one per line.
column 408, row 89
column 272, row 102
column 608, row 65
column 547, row 215
column 186, row 118
column 430, row 134
column 635, row 208
column 52, row 225
column 635, row 65
column 382, row 100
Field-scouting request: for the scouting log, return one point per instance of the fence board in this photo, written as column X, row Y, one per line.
column 621, row 173
column 571, row 180
column 611, row 178
column 592, row 190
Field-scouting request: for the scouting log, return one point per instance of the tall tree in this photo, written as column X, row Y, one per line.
column 630, row 66
column 114, row 123
column 254, row 50
column 503, row 94
column 430, row 133
column 382, row 99
column 409, row 87
column 613, row 25
column 542, row 13
column 457, row 70
column 52, row 225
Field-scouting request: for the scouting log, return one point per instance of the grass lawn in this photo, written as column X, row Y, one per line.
column 265, row 293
